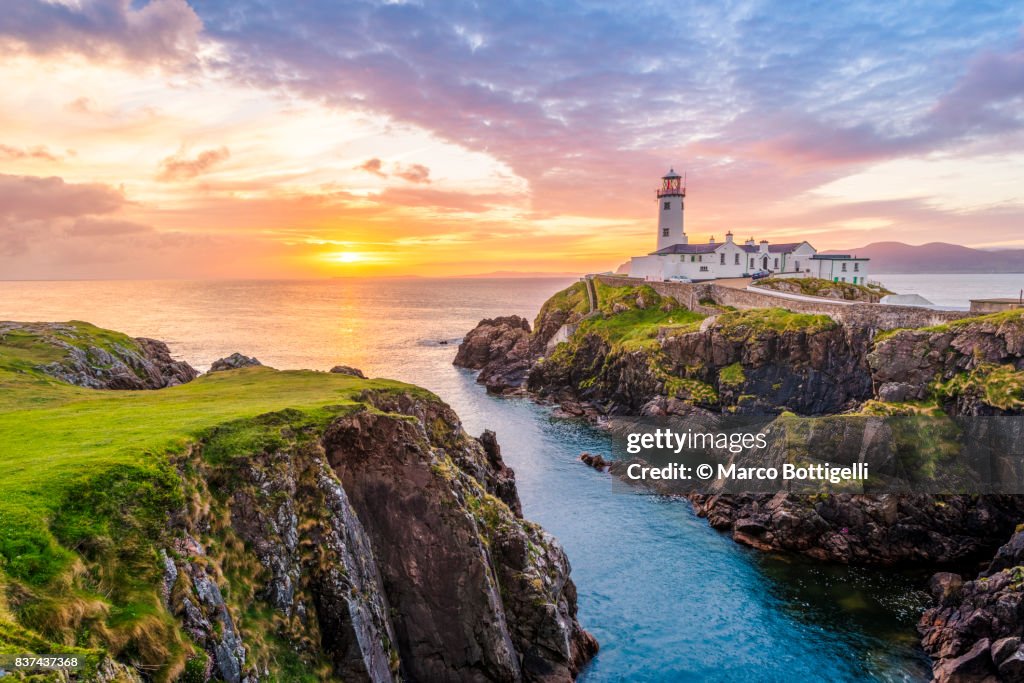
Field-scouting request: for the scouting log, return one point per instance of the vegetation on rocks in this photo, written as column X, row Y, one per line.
column 203, row 529
column 813, row 286
column 743, row 324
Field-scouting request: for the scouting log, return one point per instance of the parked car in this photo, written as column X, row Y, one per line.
column 680, row 279
column 760, row 274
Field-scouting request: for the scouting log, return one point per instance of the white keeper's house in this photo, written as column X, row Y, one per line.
column 676, row 257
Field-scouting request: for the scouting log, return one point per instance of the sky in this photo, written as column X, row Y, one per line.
column 323, row 138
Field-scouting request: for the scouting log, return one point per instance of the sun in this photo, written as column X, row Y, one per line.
column 346, row 257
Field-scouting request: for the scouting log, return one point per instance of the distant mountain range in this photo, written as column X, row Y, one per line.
column 936, row 257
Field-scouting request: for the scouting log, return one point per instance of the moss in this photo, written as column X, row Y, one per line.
column 572, row 301
column 1011, row 317
column 1000, row 386
column 744, row 324
column 812, row 286
column 691, row 390
column 731, row 376
column 884, row 408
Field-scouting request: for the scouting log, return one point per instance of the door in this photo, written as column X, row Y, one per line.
column 764, row 263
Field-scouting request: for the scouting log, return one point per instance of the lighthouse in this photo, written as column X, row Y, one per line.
column 671, row 195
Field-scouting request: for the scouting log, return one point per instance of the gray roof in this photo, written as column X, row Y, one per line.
column 840, row 257
column 689, row 249
column 671, row 174
column 784, row 248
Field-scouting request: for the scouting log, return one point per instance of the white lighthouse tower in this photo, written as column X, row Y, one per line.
column 671, row 195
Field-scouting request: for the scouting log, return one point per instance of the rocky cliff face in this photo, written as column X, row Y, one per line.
column 886, row 530
column 500, row 349
column 971, row 367
column 82, row 354
column 387, row 546
column 975, row 631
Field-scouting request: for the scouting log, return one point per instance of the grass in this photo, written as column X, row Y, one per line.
column 1013, row 317
column 89, row 481
column 1000, row 386
column 743, row 324
column 732, row 375
column 571, row 300
column 636, row 314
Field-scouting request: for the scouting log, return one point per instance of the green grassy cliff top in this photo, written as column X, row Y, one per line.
column 80, row 464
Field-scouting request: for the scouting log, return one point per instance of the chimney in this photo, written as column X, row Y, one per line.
column 750, row 242
column 764, row 247
column 728, row 237
column 712, row 240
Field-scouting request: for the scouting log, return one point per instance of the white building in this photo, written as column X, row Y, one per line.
column 676, row 257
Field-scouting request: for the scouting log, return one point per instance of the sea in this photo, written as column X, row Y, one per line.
column 669, row 598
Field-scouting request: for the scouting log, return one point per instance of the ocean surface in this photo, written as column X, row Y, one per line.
column 669, row 598
column 954, row 291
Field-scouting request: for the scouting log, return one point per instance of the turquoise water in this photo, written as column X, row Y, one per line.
column 669, row 598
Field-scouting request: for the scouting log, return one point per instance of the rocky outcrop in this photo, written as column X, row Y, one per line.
column 500, row 349
column 87, row 356
column 733, row 363
column 388, row 545
column 235, row 361
column 884, row 530
column 953, row 362
column 827, row 289
column 975, row 630
column 347, row 370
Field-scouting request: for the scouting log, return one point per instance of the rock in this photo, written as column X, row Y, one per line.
column 1011, row 669
column 945, row 587
column 906, row 364
column 500, row 349
column 974, row 632
column 101, row 359
column 885, row 530
column 1003, row 648
column 445, row 582
column 235, row 361
column 594, row 460
column 348, row 370
column 971, row 667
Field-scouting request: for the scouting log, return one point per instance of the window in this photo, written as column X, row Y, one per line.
column 692, row 258
column 751, row 263
column 796, row 266
column 856, row 267
column 703, row 269
column 721, row 260
column 776, row 264
column 668, row 205
column 844, row 270
column 664, row 232
column 700, row 257
column 737, row 259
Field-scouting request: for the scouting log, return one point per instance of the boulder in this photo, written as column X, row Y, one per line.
column 235, row 361
column 348, row 370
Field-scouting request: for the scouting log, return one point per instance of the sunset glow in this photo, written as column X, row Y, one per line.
column 167, row 144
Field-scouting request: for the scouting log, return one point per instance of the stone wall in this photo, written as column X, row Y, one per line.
column 873, row 316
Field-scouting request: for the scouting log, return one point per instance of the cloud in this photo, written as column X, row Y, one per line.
column 414, row 173
column 33, row 197
column 179, row 167
column 158, row 31
column 373, row 166
column 9, row 153
column 625, row 93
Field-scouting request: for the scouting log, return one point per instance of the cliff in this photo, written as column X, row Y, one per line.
column 262, row 525
column 644, row 353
